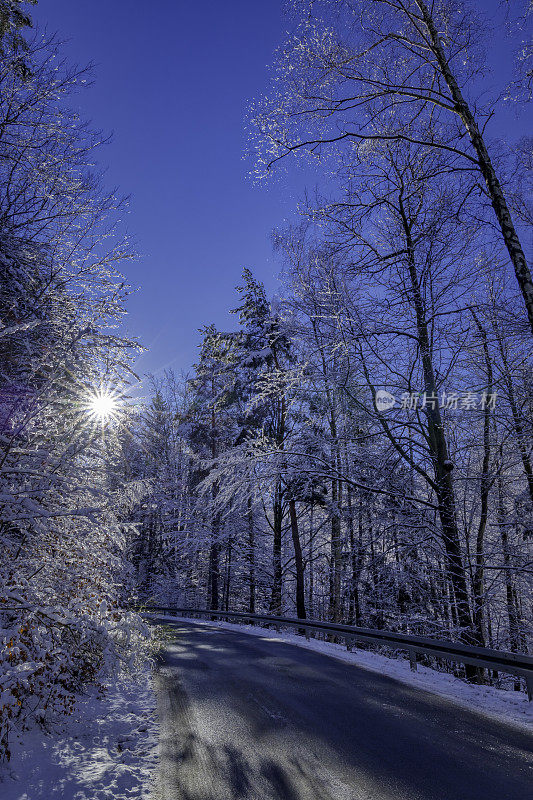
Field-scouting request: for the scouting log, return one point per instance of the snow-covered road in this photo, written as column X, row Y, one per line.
column 254, row 717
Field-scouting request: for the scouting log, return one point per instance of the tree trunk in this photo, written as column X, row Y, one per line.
column 251, row 557
column 214, row 568
column 277, row 572
column 300, row 592
column 214, row 552
column 522, row 438
column 477, row 584
column 442, row 465
column 227, row 582
column 516, row 639
column 310, row 595
column 275, row 601
column 494, row 189
column 356, row 552
column 336, row 555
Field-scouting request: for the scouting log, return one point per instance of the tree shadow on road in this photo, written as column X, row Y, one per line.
column 299, row 725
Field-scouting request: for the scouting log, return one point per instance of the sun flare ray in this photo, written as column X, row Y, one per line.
column 102, row 404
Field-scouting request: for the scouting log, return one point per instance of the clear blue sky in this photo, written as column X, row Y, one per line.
column 173, row 79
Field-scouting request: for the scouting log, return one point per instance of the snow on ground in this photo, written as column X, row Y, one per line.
column 107, row 750
column 503, row 705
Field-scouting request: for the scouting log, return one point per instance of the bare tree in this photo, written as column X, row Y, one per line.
column 362, row 71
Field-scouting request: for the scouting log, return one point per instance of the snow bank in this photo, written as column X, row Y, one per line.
column 106, row 751
column 505, row 706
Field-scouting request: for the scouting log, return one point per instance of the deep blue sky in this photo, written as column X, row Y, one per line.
column 173, row 80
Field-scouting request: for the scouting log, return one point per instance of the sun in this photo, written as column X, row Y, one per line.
column 102, row 405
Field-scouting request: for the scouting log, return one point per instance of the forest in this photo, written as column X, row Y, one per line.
column 358, row 447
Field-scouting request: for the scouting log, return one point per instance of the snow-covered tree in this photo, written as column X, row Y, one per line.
column 64, row 568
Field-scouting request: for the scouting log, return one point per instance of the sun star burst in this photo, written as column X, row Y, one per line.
column 103, row 404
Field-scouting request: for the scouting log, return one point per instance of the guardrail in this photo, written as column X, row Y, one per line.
column 518, row 664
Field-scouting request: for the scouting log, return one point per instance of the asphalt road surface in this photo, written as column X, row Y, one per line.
column 249, row 717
